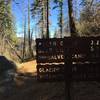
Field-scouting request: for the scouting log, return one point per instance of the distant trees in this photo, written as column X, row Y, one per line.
column 87, row 17
column 72, row 26
column 40, row 9
column 89, row 23
column 59, row 5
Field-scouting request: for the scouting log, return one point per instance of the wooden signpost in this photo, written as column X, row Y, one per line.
column 82, row 60
column 50, row 59
column 69, row 59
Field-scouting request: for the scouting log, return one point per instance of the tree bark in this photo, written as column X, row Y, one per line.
column 29, row 34
column 71, row 19
column 47, row 35
column 24, row 45
column 61, row 19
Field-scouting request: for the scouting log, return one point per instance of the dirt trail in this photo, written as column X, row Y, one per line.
column 27, row 67
column 28, row 88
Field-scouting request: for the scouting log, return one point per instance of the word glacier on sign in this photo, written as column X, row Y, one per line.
column 49, row 69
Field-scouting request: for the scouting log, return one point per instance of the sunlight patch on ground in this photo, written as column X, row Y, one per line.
column 27, row 67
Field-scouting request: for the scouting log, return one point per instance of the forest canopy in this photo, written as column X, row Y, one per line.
column 44, row 19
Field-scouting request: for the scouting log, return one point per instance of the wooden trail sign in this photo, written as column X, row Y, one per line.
column 69, row 59
column 50, row 59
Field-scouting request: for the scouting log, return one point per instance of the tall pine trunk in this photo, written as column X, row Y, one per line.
column 47, row 32
column 24, row 44
column 71, row 19
column 44, row 18
column 61, row 19
column 29, row 33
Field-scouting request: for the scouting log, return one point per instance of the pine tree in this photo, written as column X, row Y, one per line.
column 7, row 29
column 41, row 8
column 59, row 5
column 71, row 19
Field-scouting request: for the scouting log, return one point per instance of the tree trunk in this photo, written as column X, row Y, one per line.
column 71, row 19
column 61, row 19
column 29, row 34
column 47, row 35
column 44, row 19
column 24, row 45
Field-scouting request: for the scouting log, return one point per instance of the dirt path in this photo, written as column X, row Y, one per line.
column 28, row 88
column 27, row 67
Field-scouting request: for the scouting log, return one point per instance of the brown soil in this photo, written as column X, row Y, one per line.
column 27, row 67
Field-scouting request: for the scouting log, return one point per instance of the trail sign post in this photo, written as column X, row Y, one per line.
column 69, row 59
column 50, row 59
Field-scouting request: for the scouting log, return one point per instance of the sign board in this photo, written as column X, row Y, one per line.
column 50, row 59
column 82, row 58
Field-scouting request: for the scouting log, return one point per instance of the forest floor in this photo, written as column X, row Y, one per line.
column 27, row 67
column 26, row 87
